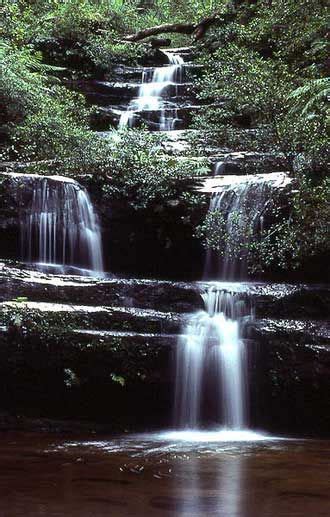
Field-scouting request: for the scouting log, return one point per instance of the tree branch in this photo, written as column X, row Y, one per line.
column 198, row 30
column 183, row 28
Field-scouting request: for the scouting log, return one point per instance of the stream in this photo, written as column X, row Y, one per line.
column 145, row 351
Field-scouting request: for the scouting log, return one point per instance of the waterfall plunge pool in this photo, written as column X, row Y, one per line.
column 159, row 475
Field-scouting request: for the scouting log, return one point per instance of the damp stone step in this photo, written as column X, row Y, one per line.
column 146, row 294
column 122, row 73
column 275, row 180
column 104, row 93
column 120, row 319
column 270, row 300
column 106, row 117
column 314, row 333
column 238, row 164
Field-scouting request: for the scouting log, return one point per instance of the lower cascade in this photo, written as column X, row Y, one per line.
column 60, row 227
column 210, row 371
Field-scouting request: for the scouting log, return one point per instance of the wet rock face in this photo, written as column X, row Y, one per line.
column 15, row 192
column 159, row 42
column 156, row 243
column 104, row 350
column 146, row 294
column 291, row 378
column 72, row 374
column 118, row 380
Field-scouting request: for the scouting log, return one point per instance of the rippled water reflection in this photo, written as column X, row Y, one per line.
column 168, row 474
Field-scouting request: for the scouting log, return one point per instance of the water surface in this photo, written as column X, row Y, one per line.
column 167, row 474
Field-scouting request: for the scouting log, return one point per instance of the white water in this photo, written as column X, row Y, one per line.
column 59, row 226
column 242, row 205
column 213, row 436
column 211, row 384
column 218, row 168
column 210, row 359
column 150, row 99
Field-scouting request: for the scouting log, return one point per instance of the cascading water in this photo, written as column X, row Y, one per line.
column 151, row 102
column 242, row 207
column 210, row 359
column 59, row 226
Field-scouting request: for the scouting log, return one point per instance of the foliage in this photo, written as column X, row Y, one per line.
column 104, row 53
column 128, row 166
column 216, row 236
column 43, row 119
column 26, row 21
column 311, row 98
column 74, row 32
column 23, row 78
column 296, row 235
column 253, row 85
column 118, row 379
column 265, row 65
column 293, row 241
column 142, row 173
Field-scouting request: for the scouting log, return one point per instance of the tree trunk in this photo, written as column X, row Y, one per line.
column 198, row 30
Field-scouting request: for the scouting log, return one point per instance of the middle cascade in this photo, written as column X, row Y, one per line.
column 150, row 105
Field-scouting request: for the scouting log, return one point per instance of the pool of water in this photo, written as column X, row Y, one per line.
column 166, row 474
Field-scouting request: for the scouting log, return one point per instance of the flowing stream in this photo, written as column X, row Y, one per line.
column 211, row 357
column 150, row 104
column 60, row 227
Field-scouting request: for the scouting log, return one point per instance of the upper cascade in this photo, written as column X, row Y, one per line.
column 151, row 103
column 59, row 226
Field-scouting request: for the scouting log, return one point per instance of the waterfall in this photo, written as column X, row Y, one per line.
column 219, row 168
column 211, row 359
column 242, row 206
column 156, row 83
column 59, row 226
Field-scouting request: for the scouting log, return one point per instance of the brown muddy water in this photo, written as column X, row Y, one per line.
column 163, row 475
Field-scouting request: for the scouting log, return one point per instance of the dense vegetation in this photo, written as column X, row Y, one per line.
column 269, row 60
column 266, row 58
column 46, row 43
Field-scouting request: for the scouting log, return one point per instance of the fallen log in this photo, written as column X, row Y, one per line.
column 197, row 30
column 182, row 28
